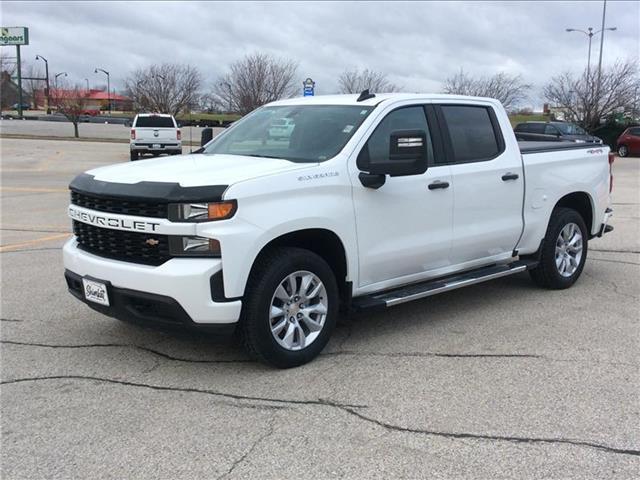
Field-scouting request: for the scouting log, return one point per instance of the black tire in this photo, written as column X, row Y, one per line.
column 623, row 150
column 267, row 274
column 546, row 274
column 134, row 156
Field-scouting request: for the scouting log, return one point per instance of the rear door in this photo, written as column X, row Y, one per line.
column 488, row 184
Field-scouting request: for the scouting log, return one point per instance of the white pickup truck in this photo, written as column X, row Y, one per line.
column 371, row 201
column 154, row 133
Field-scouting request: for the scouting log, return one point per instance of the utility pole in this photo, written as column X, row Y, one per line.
column 604, row 13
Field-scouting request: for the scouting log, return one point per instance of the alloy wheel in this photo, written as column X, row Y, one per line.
column 298, row 310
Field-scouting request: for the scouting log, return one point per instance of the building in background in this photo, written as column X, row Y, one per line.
column 95, row 100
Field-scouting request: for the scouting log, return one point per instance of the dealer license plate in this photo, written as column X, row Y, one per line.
column 156, row 146
column 95, row 292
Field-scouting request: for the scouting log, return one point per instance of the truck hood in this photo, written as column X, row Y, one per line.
column 195, row 170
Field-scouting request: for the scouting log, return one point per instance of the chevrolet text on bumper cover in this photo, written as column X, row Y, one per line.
column 186, row 281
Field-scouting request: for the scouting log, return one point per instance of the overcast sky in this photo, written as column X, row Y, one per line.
column 417, row 44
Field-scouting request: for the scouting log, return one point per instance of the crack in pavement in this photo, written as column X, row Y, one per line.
column 470, row 355
column 10, row 320
column 505, row 438
column 126, row 345
column 350, row 409
column 612, row 251
column 326, row 354
column 203, row 391
column 244, row 456
column 613, row 261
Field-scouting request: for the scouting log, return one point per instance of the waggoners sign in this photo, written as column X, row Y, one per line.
column 14, row 36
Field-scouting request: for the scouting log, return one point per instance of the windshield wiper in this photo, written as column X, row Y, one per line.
column 263, row 156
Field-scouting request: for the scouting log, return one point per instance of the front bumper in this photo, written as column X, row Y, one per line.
column 179, row 289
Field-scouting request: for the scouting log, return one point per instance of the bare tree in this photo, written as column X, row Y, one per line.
column 355, row 81
column 589, row 103
column 509, row 89
column 8, row 62
column 166, row 88
column 71, row 102
column 254, row 80
column 31, row 86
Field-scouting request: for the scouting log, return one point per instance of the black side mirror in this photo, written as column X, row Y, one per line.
column 407, row 156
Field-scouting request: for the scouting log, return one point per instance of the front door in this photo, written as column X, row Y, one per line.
column 404, row 227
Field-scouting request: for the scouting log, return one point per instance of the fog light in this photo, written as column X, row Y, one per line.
column 194, row 247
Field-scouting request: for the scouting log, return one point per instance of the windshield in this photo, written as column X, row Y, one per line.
column 299, row 133
column 570, row 129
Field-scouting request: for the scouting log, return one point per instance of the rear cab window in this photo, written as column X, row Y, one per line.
column 473, row 133
column 154, row 121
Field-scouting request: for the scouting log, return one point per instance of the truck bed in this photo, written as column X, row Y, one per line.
column 538, row 147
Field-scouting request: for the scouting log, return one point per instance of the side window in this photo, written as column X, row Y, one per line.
column 408, row 118
column 472, row 133
column 522, row 128
column 537, row 127
column 550, row 130
column 635, row 132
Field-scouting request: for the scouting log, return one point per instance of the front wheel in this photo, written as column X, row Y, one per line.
column 623, row 150
column 564, row 250
column 290, row 307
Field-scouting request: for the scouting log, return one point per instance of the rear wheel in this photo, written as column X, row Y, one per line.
column 564, row 250
column 134, row 156
column 623, row 150
column 290, row 307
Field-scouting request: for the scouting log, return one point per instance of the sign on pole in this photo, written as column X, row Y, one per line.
column 308, row 88
column 14, row 36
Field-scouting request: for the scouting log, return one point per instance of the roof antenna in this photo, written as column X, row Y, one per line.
column 365, row 95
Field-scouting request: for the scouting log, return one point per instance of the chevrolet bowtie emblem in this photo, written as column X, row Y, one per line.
column 152, row 242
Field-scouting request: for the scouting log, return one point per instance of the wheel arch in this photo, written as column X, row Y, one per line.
column 324, row 243
column 582, row 203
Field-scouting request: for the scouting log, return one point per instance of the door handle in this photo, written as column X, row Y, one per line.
column 438, row 184
column 509, row 176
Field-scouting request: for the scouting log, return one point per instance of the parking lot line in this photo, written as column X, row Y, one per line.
column 32, row 189
column 15, row 246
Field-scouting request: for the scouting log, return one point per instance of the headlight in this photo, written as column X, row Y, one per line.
column 194, row 247
column 202, row 212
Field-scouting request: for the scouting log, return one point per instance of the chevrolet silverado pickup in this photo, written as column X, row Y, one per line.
column 366, row 202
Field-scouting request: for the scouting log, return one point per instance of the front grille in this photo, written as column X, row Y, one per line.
column 120, row 245
column 118, row 205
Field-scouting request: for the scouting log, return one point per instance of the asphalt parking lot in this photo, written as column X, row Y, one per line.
column 500, row 380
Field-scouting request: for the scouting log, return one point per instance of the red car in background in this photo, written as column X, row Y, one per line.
column 629, row 142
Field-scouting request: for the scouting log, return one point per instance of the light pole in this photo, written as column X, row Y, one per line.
column 589, row 33
column 604, row 13
column 46, row 70
column 108, row 86
column 55, row 78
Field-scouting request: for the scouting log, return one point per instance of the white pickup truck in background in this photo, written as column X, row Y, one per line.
column 366, row 202
column 154, row 133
